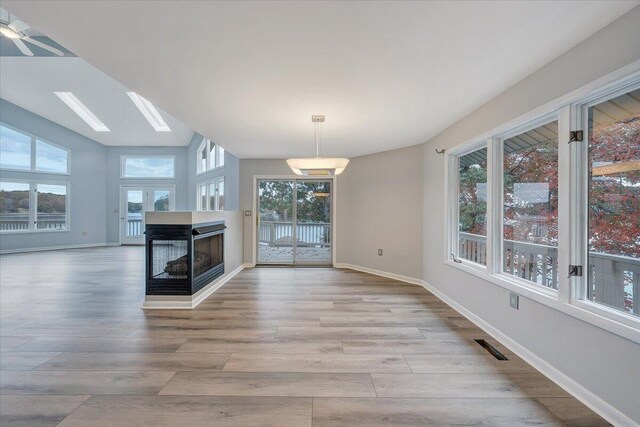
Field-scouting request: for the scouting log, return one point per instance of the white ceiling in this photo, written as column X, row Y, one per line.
column 30, row 83
column 386, row 74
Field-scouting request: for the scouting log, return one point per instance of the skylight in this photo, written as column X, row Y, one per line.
column 149, row 112
column 81, row 110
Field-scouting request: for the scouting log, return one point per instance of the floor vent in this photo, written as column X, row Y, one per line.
column 491, row 349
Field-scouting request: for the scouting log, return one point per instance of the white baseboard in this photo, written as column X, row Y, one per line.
column 193, row 301
column 52, row 248
column 594, row 402
column 394, row 276
column 249, row 265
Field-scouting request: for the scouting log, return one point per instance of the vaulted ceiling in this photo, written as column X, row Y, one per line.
column 250, row 74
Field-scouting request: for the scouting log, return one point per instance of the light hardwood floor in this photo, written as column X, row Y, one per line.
column 278, row 347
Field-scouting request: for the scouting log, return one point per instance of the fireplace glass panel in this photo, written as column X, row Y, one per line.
column 207, row 253
column 170, row 259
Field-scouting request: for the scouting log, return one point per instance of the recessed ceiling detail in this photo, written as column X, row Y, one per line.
column 249, row 74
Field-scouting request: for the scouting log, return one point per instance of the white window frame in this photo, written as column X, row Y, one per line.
column 207, row 184
column 580, row 188
column 572, row 193
column 453, row 224
column 32, row 166
column 33, row 205
column 124, row 157
column 218, row 160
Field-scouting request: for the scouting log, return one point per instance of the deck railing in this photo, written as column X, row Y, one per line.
column 134, row 227
column 615, row 279
column 20, row 221
column 275, row 233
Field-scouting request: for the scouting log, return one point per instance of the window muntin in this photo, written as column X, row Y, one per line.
column 15, row 201
column 51, row 202
column 613, row 273
column 530, row 211
column 23, row 152
column 27, row 206
column 210, row 156
column 148, row 167
column 211, row 195
column 15, row 149
column 472, row 207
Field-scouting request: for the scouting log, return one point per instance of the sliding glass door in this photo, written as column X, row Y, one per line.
column 294, row 222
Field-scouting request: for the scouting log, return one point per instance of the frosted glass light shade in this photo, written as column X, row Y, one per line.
column 318, row 166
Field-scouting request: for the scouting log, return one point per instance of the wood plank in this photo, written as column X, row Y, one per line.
column 37, row 411
column 464, row 385
column 270, row 384
column 315, row 363
column 170, row 411
column 86, row 382
column 135, row 362
column 265, row 346
column 349, row 333
column 387, row 412
column 446, row 347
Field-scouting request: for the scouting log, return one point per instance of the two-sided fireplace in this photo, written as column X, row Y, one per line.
column 182, row 259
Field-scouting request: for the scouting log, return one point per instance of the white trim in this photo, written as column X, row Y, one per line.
column 218, row 160
column 591, row 400
column 54, row 248
column 124, row 157
column 249, row 265
column 407, row 279
column 163, row 302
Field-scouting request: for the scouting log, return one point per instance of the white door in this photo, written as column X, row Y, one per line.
column 135, row 201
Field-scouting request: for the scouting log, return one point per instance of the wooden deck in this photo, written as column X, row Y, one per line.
column 277, row 347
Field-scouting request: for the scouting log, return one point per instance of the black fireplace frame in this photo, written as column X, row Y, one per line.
column 190, row 233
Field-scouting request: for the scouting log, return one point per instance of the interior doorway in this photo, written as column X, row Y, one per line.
column 294, row 221
column 135, row 200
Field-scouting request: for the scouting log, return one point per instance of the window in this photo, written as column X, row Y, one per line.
column 549, row 206
column 472, row 207
column 148, row 167
column 23, row 152
column 211, row 195
column 613, row 276
column 33, row 206
column 210, row 156
column 530, row 198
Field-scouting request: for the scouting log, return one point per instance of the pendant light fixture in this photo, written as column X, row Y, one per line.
column 318, row 166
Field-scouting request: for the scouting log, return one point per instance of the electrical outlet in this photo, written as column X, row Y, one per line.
column 514, row 301
column 247, row 213
column 379, row 252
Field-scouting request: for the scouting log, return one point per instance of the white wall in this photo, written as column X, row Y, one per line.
column 380, row 207
column 605, row 364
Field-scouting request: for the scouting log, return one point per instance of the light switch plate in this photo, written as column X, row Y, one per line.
column 514, row 301
column 379, row 252
column 247, row 213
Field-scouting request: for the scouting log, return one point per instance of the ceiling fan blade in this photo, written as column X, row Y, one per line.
column 18, row 26
column 4, row 15
column 43, row 46
column 23, row 47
